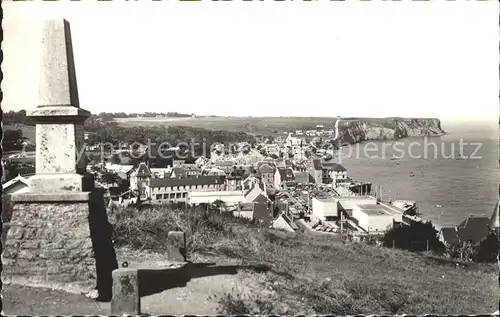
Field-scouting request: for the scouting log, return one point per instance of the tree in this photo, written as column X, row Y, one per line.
column 219, row 203
column 415, row 237
column 461, row 249
column 11, row 140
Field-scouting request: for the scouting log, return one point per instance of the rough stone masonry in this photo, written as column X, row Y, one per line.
column 59, row 235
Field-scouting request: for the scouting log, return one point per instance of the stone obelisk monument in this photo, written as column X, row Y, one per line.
column 59, row 235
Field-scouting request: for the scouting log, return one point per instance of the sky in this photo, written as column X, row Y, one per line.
column 320, row 58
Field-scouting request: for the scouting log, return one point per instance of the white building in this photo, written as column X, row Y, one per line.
column 373, row 218
column 228, row 197
column 323, row 207
column 165, row 190
column 347, row 204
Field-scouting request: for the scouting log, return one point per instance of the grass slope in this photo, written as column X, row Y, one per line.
column 325, row 274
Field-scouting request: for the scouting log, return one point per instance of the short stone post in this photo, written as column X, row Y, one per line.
column 126, row 297
column 176, row 246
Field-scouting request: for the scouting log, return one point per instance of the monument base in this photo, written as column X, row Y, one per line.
column 49, row 242
column 53, row 183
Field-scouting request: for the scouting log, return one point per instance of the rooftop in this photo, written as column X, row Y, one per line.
column 202, row 180
column 378, row 210
column 326, row 199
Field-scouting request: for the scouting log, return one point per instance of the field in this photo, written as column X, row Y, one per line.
column 28, row 131
column 252, row 125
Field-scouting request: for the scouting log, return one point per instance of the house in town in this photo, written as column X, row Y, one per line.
column 324, row 208
column 201, row 161
column 315, row 169
column 226, row 165
column 233, row 183
column 123, row 171
column 472, row 230
column 285, row 223
column 333, row 173
column 256, row 192
column 266, row 172
column 140, row 179
column 160, row 172
column 303, row 178
column 273, row 149
column 213, row 172
column 374, row 218
column 167, row 190
column 348, row 203
column 185, row 170
column 283, row 176
column 262, row 214
column 280, row 163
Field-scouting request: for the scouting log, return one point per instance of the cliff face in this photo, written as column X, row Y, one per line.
column 354, row 131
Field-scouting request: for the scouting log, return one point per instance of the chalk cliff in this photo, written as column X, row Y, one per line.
column 358, row 130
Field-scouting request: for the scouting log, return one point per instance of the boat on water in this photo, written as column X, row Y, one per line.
column 409, row 207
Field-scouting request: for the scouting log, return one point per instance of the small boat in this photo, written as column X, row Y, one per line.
column 409, row 207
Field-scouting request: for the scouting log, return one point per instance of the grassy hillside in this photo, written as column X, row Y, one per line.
column 325, row 274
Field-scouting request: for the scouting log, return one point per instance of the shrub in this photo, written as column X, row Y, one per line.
column 415, row 237
column 148, row 229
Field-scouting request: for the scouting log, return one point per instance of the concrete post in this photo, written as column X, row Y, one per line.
column 176, row 246
column 126, row 298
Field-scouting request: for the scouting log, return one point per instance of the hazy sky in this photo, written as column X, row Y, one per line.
column 411, row 59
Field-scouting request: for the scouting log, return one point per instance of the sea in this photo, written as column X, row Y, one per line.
column 450, row 177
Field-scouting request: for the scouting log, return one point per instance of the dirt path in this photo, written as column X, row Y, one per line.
column 199, row 296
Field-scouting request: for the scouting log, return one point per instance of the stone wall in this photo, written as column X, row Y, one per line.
column 50, row 242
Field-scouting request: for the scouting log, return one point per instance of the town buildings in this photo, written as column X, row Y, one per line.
column 325, row 207
column 375, row 218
